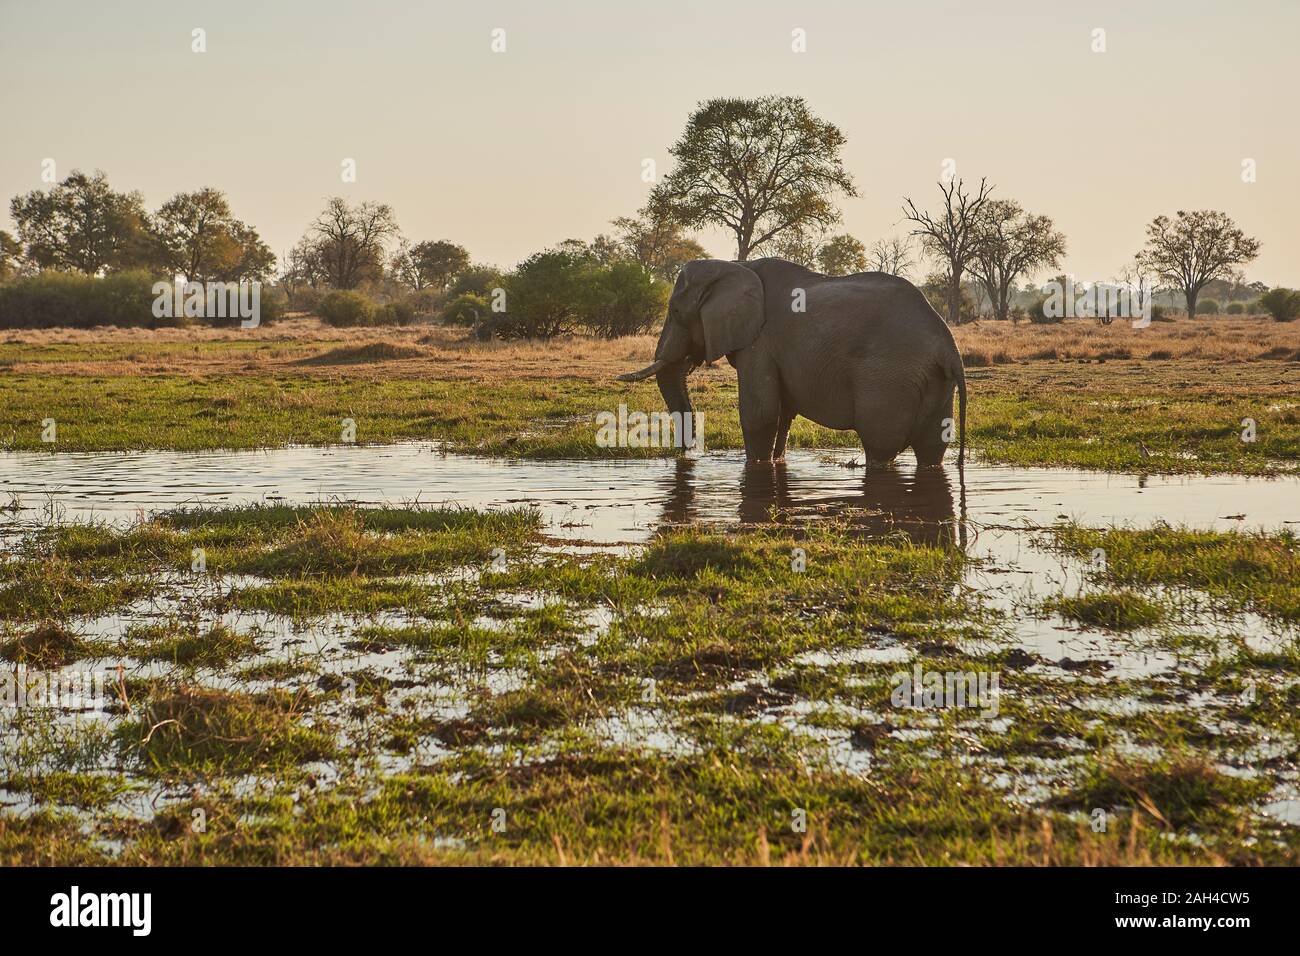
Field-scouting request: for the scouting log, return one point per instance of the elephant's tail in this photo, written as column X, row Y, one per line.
column 957, row 373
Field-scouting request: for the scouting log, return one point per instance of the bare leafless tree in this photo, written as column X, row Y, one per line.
column 952, row 236
column 350, row 241
column 892, row 255
column 1141, row 282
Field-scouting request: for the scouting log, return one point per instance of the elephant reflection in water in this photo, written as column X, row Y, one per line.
column 919, row 506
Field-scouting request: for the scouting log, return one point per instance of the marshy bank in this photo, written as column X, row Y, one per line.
column 403, row 654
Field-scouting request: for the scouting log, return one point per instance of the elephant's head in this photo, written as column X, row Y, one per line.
column 716, row 308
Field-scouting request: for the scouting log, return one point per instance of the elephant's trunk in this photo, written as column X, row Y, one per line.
column 675, row 357
column 672, row 386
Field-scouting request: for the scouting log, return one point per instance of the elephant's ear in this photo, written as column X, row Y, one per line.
column 730, row 298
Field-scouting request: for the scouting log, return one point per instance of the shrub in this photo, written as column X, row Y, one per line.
column 465, row 310
column 1038, row 315
column 272, row 303
column 1235, row 308
column 426, row 303
column 399, row 312
column 1207, row 307
column 562, row 290
column 344, row 307
column 620, row 299
column 304, row 298
column 51, row 299
column 1282, row 304
column 476, row 280
column 543, row 295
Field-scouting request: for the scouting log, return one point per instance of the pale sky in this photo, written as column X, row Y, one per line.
column 509, row 153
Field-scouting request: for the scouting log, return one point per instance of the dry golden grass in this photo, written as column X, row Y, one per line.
column 305, row 345
column 1226, row 338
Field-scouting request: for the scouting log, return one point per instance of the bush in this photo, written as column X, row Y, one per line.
column 51, row 299
column 1282, row 304
column 476, row 280
column 399, row 312
column 304, row 298
column 561, row 290
column 1037, row 314
column 346, row 308
column 1235, row 308
column 426, row 303
column 465, row 310
column 272, row 303
column 620, row 299
column 1207, row 307
column 543, row 295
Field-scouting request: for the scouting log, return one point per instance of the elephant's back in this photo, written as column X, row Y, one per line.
column 882, row 313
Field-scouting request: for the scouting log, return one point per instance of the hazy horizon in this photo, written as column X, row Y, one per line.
column 508, row 153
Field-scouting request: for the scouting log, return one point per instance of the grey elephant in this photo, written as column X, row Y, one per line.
column 864, row 352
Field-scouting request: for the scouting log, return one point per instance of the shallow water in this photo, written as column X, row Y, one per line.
column 990, row 510
column 626, row 501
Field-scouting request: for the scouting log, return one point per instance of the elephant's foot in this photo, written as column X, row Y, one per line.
column 755, row 463
column 878, row 464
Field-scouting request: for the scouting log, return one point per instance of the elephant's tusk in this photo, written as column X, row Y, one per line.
column 644, row 373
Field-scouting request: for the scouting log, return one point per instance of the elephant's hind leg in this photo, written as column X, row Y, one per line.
column 935, row 426
column 880, row 428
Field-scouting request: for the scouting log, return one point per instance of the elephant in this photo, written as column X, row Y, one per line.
column 864, row 352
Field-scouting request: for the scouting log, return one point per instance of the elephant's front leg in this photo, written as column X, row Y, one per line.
column 759, row 385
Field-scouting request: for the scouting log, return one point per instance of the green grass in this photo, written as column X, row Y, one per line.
column 302, row 541
column 1187, row 434
column 87, row 791
column 189, row 730
column 729, row 709
column 48, row 645
column 45, row 587
column 1113, row 610
column 1177, row 791
column 1192, row 433
column 1252, row 570
column 184, row 643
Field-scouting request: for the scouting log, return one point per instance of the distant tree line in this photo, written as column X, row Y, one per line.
column 766, row 170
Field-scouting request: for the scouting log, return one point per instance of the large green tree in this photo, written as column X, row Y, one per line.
column 432, row 264
column 757, row 168
column 1012, row 243
column 842, row 255
column 82, row 225
column 198, row 237
column 1195, row 248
